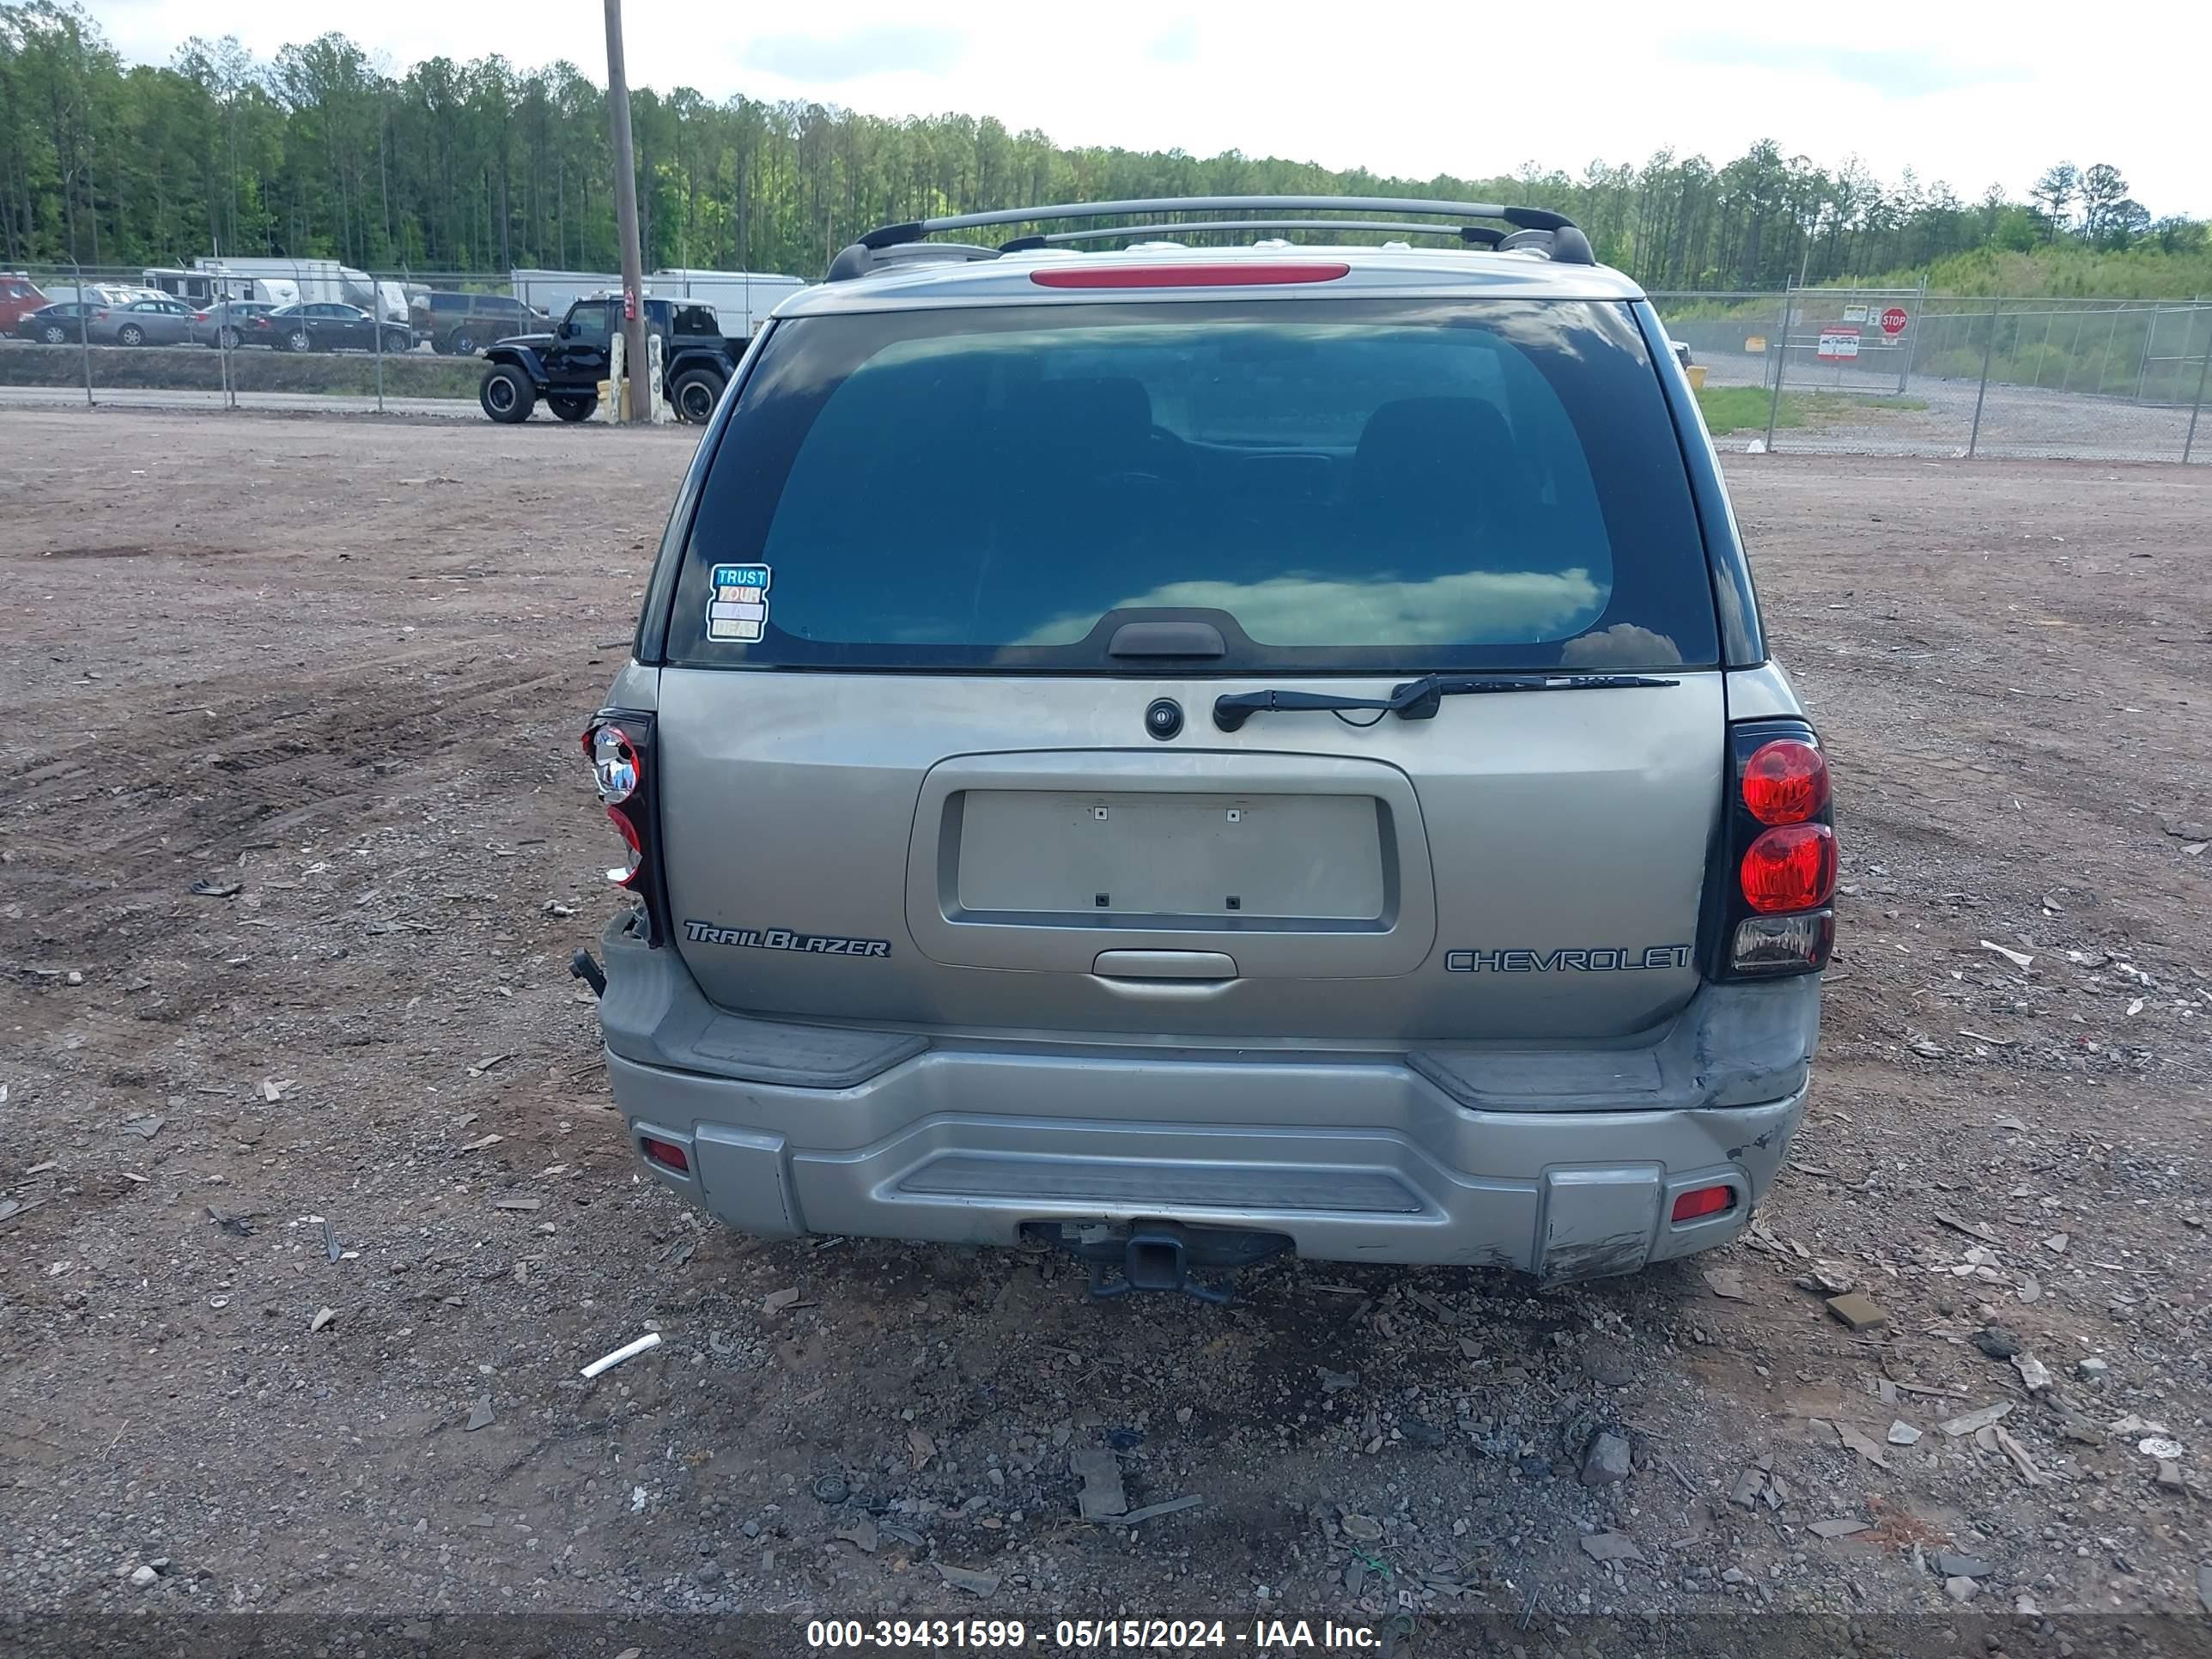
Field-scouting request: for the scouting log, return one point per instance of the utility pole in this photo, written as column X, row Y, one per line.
column 638, row 405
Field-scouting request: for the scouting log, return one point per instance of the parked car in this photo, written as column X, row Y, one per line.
column 1181, row 753
column 459, row 324
column 565, row 367
column 225, row 323
column 141, row 322
column 323, row 325
column 55, row 325
column 19, row 298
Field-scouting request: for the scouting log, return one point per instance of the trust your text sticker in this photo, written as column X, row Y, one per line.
column 738, row 608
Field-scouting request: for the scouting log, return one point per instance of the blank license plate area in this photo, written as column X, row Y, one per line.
column 1278, row 858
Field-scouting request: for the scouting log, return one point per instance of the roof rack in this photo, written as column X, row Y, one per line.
column 1560, row 238
column 1474, row 235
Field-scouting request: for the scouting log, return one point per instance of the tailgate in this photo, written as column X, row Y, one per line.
column 997, row 855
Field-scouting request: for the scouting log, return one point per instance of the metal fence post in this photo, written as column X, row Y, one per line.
column 83, row 329
column 1989, row 351
column 2198, row 408
column 2143, row 363
column 376, row 331
column 1781, row 360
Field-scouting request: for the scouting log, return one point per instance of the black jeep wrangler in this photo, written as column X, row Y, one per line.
column 565, row 367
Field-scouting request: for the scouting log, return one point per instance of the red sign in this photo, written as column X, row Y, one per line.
column 1893, row 320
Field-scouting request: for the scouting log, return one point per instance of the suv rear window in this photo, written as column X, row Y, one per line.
column 1378, row 485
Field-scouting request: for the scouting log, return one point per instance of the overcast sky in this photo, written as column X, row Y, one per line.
column 1969, row 93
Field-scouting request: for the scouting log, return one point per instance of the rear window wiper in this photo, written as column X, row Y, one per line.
column 1416, row 700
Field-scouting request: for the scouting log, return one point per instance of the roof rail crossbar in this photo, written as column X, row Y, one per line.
column 1562, row 240
column 1521, row 218
column 1474, row 235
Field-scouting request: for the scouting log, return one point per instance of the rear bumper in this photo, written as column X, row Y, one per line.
column 1503, row 1159
column 1362, row 1162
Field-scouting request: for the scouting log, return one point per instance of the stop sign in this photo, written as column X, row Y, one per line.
column 1892, row 320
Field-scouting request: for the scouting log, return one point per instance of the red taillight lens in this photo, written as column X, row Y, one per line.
column 666, row 1153
column 1259, row 274
column 624, row 876
column 1704, row 1201
column 1792, row 868
column 1785, row 781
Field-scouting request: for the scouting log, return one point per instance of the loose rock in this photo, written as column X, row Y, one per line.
column 1606, row 1461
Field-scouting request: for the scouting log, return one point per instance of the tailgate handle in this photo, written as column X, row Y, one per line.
column 1167, row 639
column 1186, row 968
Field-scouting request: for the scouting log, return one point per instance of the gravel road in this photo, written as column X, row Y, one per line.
column 295, row 845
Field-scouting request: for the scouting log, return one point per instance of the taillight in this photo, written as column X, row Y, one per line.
column 626, row 875
column 618, row 744
column 1780, row 873
column 614, row 763
column 1785, row 781
column 666, row 1153
column 1791, row 867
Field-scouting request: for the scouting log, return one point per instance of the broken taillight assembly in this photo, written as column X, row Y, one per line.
column 1780, row 853
column 618, row 744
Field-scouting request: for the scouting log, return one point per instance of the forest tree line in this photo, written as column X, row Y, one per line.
column 483, row 166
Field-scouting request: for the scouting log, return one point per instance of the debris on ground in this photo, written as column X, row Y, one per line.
column 1858, row 1443
column 479, row 1414
column 1973, row 1229
column 323, row 1317
column 1611, row 1546
column 1970, row 1422
column 205, row 888
column 776, row 1301
column 607, row 1362
column 1859, row 1312
column 2034, row 1375
column 1153, row 1511
column 1727, row 1283
column 1902, row 1433
column 1100, row 1494
column 1997, row 1342
column 1838, row 1528
column 985, row 1584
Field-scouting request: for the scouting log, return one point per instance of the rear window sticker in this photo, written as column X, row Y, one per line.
column 739, row 609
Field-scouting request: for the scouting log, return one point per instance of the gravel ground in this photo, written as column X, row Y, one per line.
column 295, row 845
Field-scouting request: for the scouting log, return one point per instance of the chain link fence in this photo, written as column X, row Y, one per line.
column 1903, row 372
column 312, row 334
column 1826, row 370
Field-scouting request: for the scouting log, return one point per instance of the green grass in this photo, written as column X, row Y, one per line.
column 413, row 374
column 1744, row 408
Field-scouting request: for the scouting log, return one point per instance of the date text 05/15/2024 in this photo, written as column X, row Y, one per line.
column 1254, row 1636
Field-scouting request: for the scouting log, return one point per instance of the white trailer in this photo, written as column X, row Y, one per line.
column 203, row 286
column 312, row 282
column 554, row 291
column 742, row 299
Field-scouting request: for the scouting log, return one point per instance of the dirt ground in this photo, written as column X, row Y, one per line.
column 295, row 846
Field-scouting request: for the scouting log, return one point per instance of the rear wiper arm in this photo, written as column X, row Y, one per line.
column 1416, row 700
